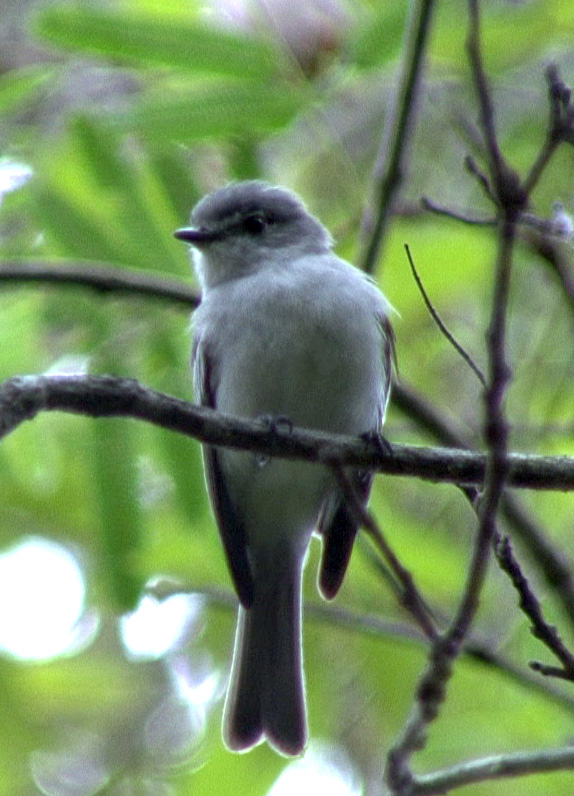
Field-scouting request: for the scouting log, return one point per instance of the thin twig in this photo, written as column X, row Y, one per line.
column 432, row 685
column 410, row 596
column 560, row 126
column 481, row 84
column 437, row 319
column 519, row 764
column 530, row 605
column 552, row 563
column 475, row 221
column 371, row 624
column 546, row 226
column 99, row 277
column 397, row 133
column 549, row 249
column 472, row 167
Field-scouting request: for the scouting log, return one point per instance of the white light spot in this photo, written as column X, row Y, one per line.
column 12, row 176
column 156, row 627
column 197, row 683
column 41, row 600
column 325, row 768
column 69, row 365
column 79, row 770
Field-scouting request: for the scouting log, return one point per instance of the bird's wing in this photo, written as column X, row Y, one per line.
column 337, row 523
column 389, row 356
column 338, row 528
column 228, row 521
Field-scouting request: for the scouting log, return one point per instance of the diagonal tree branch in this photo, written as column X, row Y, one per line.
column 403, row 581
column 23, row 397
column 390, row 160
column 520, row 764
column 99, row 277
column 530, row 605
column 431, row 690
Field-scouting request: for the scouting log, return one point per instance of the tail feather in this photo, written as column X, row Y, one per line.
column 266, row 693
column 242, row 720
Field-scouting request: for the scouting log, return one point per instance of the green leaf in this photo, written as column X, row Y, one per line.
column 19, row 85
column 120, row 514
column 147, row 39
column 74, row 229
column 379, row 38
column 128, row 185
column 172, row 170
column 216, row 109
column 100, row 204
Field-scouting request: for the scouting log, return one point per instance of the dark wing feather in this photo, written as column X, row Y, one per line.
column 231, row 528
column 337, row 525
column 338, row 529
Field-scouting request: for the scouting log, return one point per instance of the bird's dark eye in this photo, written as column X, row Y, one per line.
column 255, row 224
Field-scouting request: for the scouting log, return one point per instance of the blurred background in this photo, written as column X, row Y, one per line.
column 116, row 609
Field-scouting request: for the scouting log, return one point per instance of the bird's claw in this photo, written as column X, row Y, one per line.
column 377, row 439
column 277, row 424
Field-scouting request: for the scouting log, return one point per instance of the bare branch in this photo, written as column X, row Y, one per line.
column 431, row 689
column 481, row 85
column 529, row 603
column 472, row 167
column 23, row 397
column 389, row 163
column 457, row 215
column 437, row 319
column 543, row 473
column 520, row 764
column 553, row 564
column 560, row 126
column 101, row 278
column 410, row 597
column 548, row 248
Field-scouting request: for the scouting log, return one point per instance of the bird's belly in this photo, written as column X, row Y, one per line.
column 277, row 498
column 319, row 381
column 321, row 372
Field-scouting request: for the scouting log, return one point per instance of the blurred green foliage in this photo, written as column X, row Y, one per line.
column 127, row 112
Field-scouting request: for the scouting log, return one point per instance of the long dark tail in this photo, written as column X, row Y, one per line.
column 266, row 692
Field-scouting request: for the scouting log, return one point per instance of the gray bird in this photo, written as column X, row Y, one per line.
column 285, row 329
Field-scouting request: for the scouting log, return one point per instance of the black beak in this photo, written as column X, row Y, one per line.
column 197, row 237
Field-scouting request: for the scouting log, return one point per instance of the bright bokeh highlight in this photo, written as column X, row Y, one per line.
column 325, row 768
column 41, row 600
column 158, row 626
